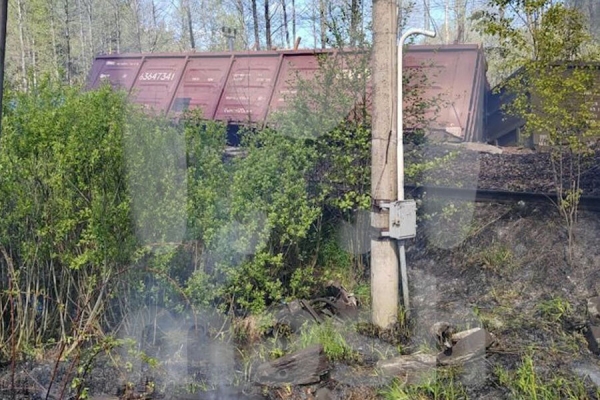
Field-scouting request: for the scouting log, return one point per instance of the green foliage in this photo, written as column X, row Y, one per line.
column 555, row 309
column 440, row 387
column 554, row 89
column 335, row 262
column 256, row 283
column 345, row 154
column 65, row 230
column 123, row 210
column 334, row 95
column 334, row 345
column 273, row 179
column 417, row 170
column 62, row 174
column 528, row 384
column 498, row 258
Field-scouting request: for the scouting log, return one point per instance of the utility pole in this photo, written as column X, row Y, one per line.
column 384, row 259
column 230, row 34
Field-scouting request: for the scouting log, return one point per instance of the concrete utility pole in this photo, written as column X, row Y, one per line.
column 384, row 259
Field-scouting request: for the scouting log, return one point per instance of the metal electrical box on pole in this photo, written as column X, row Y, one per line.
column 403, row 220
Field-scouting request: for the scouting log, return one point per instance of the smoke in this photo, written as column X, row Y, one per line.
column 157, row 180
column 447, row 221
column 353, row 237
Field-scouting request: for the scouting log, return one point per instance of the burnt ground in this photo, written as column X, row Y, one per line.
column 513, row 170
column 501, row 267
column 501, row 274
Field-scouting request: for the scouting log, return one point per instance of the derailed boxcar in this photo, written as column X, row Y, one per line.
column 248, row 87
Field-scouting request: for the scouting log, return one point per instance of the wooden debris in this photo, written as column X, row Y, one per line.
column 304, row 367
column 463, row 334
column 467, row 349
column 411, row 368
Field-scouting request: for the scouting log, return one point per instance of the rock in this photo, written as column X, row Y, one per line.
column 592, row 334
column 304, row 367
column 463, row 334
column 588, row 370
column 324, row 394
column 412, row 368
column 593, row 309
column 470, row 348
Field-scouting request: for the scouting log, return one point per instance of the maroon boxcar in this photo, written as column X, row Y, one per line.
column 247, row 87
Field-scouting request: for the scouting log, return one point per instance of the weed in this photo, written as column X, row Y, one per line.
column 276, row 352
column 555, row 309
column 527, row 383
column 442, row 386
column 332, row 340
column 362, row 291
column 497, row 258
column 250, row 329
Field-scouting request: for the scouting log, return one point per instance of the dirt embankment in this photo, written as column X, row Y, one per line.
column 511, row 170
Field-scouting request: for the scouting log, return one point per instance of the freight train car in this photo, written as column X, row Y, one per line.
column 504, row 129
column 248, row 87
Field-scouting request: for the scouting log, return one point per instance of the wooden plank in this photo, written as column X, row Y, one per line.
column 304, row 367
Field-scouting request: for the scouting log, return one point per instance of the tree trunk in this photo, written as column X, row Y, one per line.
column 154, row 27
column 53, row 35
column 355, row 21
column 255, row 23
column 323, row 23
column 68, row 42
column 188, row 11
column 285, row 24
column 21, row 22
column 268, row 26
column 460, row 15
column 426, row 19
column 138, row 24
column 447, row 22
column 314, row 24
column 3, row 20
column 84, row 57
column 34, row 66
column 89, row 9
column 294, row 20
column 118, row 26
column 242, row 21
